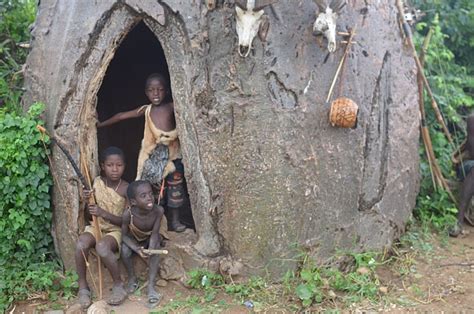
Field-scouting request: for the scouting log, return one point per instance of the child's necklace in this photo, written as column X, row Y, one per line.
column 116, row 188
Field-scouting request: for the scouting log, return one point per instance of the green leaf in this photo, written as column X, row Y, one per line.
column 303, row 292
column 306, row 275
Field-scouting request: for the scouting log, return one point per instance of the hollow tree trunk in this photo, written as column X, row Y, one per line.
column 267, row 173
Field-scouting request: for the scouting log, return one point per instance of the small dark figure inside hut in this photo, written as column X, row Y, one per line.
column 110, row 194
column 159, row 160
column 466, row 164
column 141, row 224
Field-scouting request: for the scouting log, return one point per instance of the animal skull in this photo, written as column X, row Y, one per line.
column 326, row 21
column 248, row 23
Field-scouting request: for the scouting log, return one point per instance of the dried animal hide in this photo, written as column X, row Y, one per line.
column 325, row 23
column 153, row 136
column 154, row 166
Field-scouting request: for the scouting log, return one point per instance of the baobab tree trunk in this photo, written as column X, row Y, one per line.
column 267, row 173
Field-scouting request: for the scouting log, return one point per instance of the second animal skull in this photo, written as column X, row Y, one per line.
column 249, row 18
column 325, row 23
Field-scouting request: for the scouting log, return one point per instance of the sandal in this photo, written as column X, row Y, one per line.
column 154, row 298
column 456, row 230
column 118, row 295
column 132, row 286
column 84, row 296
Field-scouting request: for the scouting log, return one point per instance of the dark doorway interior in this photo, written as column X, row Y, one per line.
column 123, row 89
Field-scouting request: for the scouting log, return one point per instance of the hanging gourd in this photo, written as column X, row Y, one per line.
column 343, row 112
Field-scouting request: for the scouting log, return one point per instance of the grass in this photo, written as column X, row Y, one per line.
column 322, row 287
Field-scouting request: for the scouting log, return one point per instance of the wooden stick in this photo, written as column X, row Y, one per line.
column 42, row 130
column 346, row 51
column 434, row 104
column 466, row 264
column 436, row 173
column 89, row 269
column 424, row 130
column 161, row 190
column 155, row 252
column 95, row 222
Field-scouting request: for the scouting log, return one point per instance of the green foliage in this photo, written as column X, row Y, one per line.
column 436, row 210
column 456, row 18
column 26, row 262
column 449, row 70
column 247, row 290
column 316, row 284
column 204, row 279
column 209, row 281
column 24, row 185
column 15, row 20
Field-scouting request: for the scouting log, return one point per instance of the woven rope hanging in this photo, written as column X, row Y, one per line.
column 343, row 112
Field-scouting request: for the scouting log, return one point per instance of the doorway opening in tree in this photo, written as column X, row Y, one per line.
column 123, row 89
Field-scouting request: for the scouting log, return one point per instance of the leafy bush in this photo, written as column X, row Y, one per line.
column 449, row 70
column 15, row 20
column 26, row 255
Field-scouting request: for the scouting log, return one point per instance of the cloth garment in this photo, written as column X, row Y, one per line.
column 111, row 201
column 142, row 236
column 137, row 233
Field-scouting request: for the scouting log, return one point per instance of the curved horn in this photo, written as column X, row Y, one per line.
column 241, row 4
column 322, row 5
column 337, row 5
column 259, row 5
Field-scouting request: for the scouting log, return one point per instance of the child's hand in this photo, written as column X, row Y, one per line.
column 96, row 211
column 142, row 253
column 88, row 194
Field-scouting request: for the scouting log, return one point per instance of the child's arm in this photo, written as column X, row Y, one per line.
column 127, row 238
column 155, row 233
column 135, row 113
column 107, row 216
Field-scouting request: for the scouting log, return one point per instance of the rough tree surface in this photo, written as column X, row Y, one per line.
column 267, row 173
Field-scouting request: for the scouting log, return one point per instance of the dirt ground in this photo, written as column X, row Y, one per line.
column 432, row 275
column 440, row 278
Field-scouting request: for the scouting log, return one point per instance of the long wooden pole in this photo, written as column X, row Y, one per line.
column 341, row 63
column 62, row 196
column 424, row 128
column 86, row 184
column 436, row 173
column 434, row 104
column 95, row 222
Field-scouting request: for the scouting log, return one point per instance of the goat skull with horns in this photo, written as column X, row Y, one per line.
column 326, row 21
column 249, row 18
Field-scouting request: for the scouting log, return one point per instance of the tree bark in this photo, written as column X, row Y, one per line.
column 268, row 175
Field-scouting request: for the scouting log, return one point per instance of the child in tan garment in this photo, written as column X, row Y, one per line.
column 110, row 192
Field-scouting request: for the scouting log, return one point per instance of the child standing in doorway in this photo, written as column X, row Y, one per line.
column 141, row 230
column 160, row 155
column 110, row 193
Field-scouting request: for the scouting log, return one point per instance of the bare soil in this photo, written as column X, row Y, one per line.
column 433, row 275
